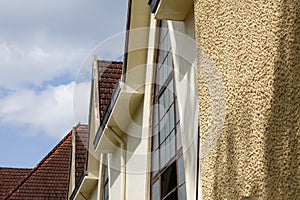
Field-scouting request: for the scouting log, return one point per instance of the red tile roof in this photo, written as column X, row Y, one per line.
column 81, row 151
column 10, row 178
column 109, row 75
column 50, row 178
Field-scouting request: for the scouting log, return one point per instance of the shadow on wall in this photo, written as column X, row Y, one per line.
column 282, row 151
column 237, row 174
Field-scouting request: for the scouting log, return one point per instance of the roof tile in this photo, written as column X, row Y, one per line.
column 109, row 73
column 10, row 178
column 49, row 179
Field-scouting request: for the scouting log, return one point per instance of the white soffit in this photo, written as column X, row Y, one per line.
column 86, row 185
column 173, row 9
column 121, row 116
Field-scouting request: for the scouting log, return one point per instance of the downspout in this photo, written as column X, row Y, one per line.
column 198, row 166
column 123, row 160
column 103, row 160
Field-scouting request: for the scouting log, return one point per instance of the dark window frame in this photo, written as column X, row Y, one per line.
column 159, row 90
column 105, row 181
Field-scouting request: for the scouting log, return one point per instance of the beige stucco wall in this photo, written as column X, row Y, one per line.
column 255, row 47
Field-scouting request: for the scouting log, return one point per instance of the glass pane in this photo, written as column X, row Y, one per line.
column 155, row 114
column 177, row 111
column 159, row 58
column 162, row 74
column 162, row 57
column 172, row 144
column 181, row 173
column 172, row 196
column 172, row 120
column 155, row 162
column 168, row 154
column 182, row 192
column 169, row 63
column 167, row 97
column 164, row 45
column 164, row 23
column 155, row 138
column 162, row 130
column 167, row 43
column 167, row 124
column 162, row 105
column 163, row 30
column 156, row 191
column 165, row 61
column 161, row 110
column 169, row 180
column 157, row 78
column 162, row 154
column 105, row 191
column 179, row 143
column 171, row 88
column 105, row 173
column 170, row 60
column 171, row 96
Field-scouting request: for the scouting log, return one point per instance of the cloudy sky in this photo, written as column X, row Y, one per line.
column 45, row 53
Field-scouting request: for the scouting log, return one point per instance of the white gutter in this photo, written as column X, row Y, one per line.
column 123, row 160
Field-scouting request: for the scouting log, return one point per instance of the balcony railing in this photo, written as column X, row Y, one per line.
column 107, row 114
column 153, row 5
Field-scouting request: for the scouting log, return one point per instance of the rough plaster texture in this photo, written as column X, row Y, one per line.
column 255, row 47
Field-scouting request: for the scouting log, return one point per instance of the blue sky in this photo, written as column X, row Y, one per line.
column 45, row 47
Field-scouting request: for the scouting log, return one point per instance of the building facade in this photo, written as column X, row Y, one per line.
column 205, row 105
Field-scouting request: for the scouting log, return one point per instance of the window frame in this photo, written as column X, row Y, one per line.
column 158, row 91
column 105, row 180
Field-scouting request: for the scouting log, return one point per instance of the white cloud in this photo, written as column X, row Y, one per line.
column 34, row 65
column 37, row 46
column 38, row 54
column 50, row 111
column 42, row 46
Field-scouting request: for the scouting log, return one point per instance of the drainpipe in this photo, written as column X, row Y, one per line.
column 123, row 160
column 198, row 166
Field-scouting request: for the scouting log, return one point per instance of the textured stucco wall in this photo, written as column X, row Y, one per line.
column 255, row 47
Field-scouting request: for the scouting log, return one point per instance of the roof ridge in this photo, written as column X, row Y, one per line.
column 79, row 125
column 111, row 61
column 38, row 165
column 102, row 60
column 21, row 168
